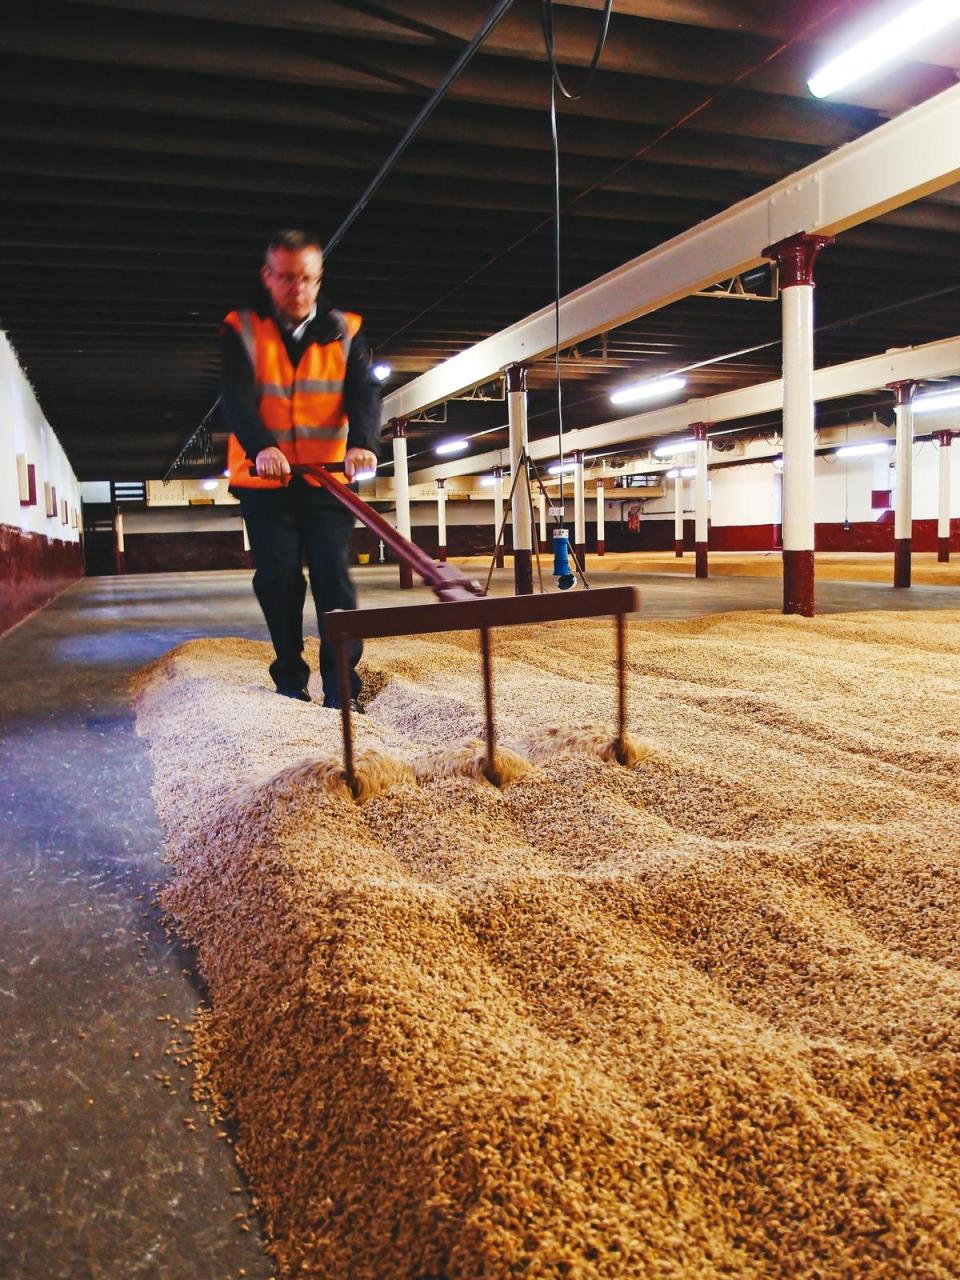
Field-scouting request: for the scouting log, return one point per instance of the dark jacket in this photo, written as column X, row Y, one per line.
column 361, row 391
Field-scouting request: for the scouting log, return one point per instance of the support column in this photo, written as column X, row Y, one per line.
column 401, row 485
column 498, row 512
column 943, row 511
column 796, row 257
column 678, row 513
column 903, row 484
column 701, row 532
column 579, row 508
column 520, row 505
column 542, row 508
column 601, row 550
column 118, row 547
column 441, row 521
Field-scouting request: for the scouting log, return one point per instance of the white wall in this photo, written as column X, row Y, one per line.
column 24, row 430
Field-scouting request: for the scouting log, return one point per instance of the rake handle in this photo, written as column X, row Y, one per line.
column 445, row 580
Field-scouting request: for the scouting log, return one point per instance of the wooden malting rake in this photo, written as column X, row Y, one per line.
column 462, row 607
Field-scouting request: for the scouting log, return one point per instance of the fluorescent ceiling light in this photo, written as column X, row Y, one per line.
column 650, row 390
column 890, row 41
column 556, row 468
column 778, row 462
column 382, row 372
column 671, row 450
column 860, row 450
column 452, row 446
column 364, row 475
column 937, row 400
column 487, row 481
column 209, row 484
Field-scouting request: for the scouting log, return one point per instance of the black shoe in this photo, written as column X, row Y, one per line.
column 300, row 695
column 334, row 705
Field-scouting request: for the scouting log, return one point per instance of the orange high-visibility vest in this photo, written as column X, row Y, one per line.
column 302, row 407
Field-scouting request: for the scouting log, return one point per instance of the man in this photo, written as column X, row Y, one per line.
column 296, row 387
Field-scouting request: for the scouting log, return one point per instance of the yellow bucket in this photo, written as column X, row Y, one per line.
column 363, row 557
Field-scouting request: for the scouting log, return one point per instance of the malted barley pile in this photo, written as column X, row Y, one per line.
column 697, row 1017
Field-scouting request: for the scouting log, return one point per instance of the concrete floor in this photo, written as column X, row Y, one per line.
column 100, row 1179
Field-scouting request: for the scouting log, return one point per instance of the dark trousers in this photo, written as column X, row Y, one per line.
column 286, row 526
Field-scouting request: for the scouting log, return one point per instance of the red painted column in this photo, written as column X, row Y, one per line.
column 945, row 439
column 678, row 489
column 701, row 515
column 903, row 484
column 401, row 485
column 118, row 543
column 579, row 509
column 498, row 515
column 521, row 519
column 441, row 521
column 796, row 257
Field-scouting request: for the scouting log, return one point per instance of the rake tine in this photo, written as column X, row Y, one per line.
column 343, row 665
column 620, row 746
column 490, row 770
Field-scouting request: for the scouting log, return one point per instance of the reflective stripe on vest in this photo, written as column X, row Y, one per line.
column 302, row 408
column 314, row 386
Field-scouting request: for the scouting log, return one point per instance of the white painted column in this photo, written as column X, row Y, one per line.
column 796, row 256
column 943, row 509
column 498, row 512
column 701, row 534
column 401, row 488
column 579, row 509
column 903, row 484
column 542, row 501
column 678, row 487
column 118, row 545
column 520, row 505
column 441, row 521
column 601, row 549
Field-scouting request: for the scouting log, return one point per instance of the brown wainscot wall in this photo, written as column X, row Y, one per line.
column 868, row 535
column 33, row 569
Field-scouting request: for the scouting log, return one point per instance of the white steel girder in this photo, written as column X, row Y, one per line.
column 932, row 360
column 913, row 155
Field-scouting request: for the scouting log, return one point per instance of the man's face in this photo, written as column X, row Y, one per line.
column 292, row 280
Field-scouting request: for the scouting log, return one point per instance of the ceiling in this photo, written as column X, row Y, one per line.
column 149, row 147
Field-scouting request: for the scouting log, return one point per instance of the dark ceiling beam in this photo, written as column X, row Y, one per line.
column 772, row 19
column 231, row 105
column 433, row 160
column 216, row 49
column 656, row 47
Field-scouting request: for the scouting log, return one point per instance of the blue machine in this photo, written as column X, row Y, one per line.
column 561, row 560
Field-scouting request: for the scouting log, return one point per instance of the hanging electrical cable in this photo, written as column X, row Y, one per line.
column 556, row 82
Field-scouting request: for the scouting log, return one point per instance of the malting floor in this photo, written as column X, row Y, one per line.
column 102, row 1178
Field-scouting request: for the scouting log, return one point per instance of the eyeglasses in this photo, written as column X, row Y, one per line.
column 288, row 279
